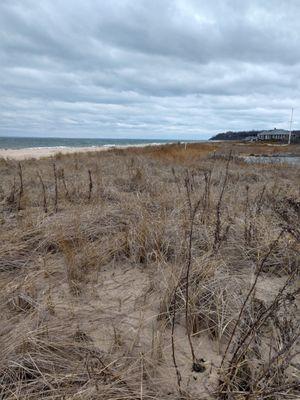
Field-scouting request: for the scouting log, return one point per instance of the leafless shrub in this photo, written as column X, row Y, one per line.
column 63, row 179
column 220, row 236
column 90, row 185
column 55, row 189
column 238, row 380
column 44, row 193
column 21, row 187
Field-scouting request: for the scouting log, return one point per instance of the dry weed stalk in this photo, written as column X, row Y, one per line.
column 178, row 375
column 206, row 197
column 233, row 379
column 251, row 290
column 218, row 235
column 193, row 208
column 67, row 194
column 21, row 188
column 45, row 207
column 55, row 188
column 176, row 180
column 90, row 185
column 248, row 219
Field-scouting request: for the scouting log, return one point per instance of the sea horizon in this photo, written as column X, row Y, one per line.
column 15, row 142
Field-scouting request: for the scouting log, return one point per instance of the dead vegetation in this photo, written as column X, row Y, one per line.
column 155, row 273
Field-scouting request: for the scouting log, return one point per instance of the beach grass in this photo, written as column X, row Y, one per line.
column 164, row 272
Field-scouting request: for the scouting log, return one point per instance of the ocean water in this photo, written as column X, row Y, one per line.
column 29, row 142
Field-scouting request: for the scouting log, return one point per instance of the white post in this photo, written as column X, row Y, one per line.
column 291, row 121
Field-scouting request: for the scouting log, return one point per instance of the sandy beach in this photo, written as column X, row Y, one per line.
column 40, row 152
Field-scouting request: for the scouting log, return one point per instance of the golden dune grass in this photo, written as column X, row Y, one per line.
column 162, row 273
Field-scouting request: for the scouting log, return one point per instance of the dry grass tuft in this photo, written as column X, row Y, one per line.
column 166, row 272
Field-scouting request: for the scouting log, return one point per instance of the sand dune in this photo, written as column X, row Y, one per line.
column 169, row 269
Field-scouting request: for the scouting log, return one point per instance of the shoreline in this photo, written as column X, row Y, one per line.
column 251, row 150
column 41, row 152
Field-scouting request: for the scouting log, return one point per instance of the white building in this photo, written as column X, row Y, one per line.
column 275, row 134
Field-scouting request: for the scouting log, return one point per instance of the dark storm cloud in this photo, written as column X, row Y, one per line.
column 164, row 68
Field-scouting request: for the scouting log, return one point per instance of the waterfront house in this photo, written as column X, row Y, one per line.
column 279, row 135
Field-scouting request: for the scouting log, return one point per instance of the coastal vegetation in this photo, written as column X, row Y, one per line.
column 164, row 272
column 242, row 135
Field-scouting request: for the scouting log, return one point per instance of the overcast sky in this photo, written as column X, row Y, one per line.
column 148, row 68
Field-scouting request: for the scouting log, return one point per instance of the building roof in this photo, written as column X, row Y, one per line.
column 274, row 132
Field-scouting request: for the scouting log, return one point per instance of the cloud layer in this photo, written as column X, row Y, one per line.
column 159, row 69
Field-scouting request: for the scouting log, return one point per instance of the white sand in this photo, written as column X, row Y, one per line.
column 38, row 152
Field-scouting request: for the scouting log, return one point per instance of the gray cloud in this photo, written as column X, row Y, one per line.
column 165, row 68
